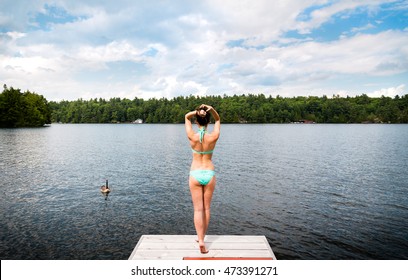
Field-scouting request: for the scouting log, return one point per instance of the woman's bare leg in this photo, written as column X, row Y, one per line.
column 201, row 197
column 208, row 193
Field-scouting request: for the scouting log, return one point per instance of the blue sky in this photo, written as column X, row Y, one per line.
column 65, row 49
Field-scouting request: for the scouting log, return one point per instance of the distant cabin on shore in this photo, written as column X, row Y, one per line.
column 305, row 121
column 138, row 121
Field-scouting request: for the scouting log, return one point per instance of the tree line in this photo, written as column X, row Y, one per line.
column 23, row 109
column 27, row 109
column 248, row 108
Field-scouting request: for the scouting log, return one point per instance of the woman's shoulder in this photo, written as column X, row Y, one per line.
column 214, row 134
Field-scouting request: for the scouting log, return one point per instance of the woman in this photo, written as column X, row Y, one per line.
column 202, row 180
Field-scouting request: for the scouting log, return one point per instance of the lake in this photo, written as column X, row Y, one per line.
column 316, row 191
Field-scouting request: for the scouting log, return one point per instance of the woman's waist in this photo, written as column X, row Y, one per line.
column 203, row 165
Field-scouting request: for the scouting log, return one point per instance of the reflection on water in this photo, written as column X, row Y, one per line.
column 315, row 191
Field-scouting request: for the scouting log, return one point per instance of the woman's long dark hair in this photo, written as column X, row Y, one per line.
column 203, row 121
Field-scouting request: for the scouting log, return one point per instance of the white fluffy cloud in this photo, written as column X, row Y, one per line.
column 389, row 92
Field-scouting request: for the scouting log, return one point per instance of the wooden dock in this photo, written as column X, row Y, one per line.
column 223, row 247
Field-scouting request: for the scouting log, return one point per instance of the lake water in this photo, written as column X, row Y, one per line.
column 315, row 191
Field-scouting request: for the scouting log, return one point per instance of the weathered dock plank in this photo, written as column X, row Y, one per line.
column 176, row 247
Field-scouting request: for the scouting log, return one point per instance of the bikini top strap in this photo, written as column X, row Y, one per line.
column 202, row 132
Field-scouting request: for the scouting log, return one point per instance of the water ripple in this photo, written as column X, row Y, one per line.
column 315, row 192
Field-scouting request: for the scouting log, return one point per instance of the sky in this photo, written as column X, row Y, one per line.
column 66, row 49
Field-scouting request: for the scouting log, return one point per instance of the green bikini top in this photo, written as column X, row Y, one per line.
column 202, row 131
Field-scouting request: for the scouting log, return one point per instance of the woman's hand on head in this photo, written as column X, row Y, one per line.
column 201, row 112
column 205, row 107
column 209, row 108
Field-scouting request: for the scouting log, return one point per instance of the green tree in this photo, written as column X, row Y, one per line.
column 26, row 109
column 237, row 108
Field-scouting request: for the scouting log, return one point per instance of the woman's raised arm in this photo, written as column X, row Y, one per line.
column 188, row 124
column 216, row 116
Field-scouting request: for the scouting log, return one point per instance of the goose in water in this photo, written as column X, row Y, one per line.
column 105, row 189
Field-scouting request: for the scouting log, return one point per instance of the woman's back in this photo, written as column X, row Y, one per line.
column 203, row 151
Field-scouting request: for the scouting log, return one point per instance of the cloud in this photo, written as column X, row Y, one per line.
column 74, row 49
column 258, row 22
column 97, row 57
column 389, row 92
column 363, row 28
column 324, row 11
column 363, row 53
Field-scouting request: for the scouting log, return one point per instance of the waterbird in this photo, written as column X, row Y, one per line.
column 105, row 188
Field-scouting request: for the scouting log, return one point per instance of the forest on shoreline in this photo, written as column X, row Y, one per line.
column 248, row 108
column 23, row 109
column 27, row 109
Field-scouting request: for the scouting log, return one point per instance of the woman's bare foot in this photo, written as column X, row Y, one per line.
column 203, row 250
